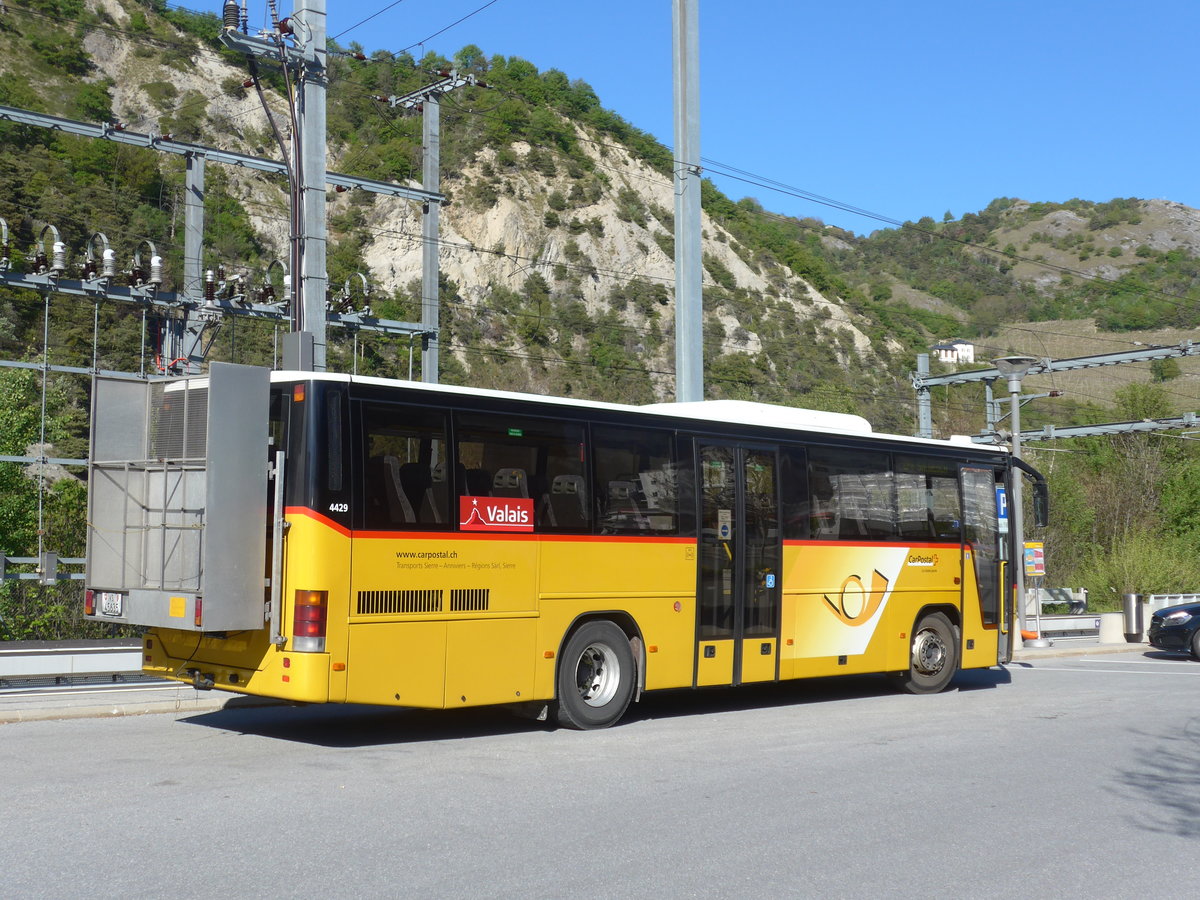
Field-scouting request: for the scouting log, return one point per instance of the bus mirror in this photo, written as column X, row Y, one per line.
column 1041, row 504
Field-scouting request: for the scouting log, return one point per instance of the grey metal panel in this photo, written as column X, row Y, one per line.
column 112, row 564
column 237, row 513
column 120, row 432
column 177, row 504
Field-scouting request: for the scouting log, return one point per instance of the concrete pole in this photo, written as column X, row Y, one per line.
column 924, row 404
column 689, row 302
column 1015, row 518
column 186, row 334
column 193, row 228
column 430, row 224
column 310, row 29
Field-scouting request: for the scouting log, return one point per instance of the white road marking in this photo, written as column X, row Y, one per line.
column 1032, row 668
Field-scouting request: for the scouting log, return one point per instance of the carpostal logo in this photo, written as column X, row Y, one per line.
column 495, row 513
column 927, row 560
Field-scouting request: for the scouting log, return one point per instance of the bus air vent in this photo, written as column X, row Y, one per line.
column 469, row 600
column 377, row 603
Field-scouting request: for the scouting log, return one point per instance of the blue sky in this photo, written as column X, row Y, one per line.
column 904, row 110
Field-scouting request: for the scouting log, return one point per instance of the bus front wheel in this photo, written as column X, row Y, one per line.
column 596, row 674
column 933, row 656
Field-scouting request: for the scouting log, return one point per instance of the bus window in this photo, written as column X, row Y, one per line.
column 541, row 460
column 852, row 494
column 404, row 470
column 796, row 514
column 927, row 498
column 636, row 481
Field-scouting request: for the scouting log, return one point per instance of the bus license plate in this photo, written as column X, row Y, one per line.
column 110, row 603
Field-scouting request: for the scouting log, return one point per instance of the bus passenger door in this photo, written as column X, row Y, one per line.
column 741, row 552
column 981, row 540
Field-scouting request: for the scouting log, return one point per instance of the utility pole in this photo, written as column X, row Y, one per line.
column 924, row 406
column 689, row 298
column 309, row 27
column 1015, row 368
column 428, row 100
column 304, row 348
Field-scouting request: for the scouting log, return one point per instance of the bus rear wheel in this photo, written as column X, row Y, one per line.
column 933, row 656
column 596, row 675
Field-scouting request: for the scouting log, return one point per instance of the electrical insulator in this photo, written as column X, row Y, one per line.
column 210, row 286
column 89, row 269
column 59, row 264
column 230, row 16
column 109, row 267
column 287, row 288
column 285, row 26
column 267, row 294
column 156, row 270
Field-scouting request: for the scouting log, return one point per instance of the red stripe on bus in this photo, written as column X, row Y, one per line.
column 477, row 535
column 843, row 543
column 517, row 536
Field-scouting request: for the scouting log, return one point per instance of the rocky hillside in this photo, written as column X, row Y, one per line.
column 557, row 241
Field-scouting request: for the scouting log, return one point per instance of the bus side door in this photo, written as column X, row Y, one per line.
column 981, row 549
column 740, row 558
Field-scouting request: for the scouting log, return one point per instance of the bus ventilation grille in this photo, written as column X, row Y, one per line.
column 473, row 600
column 376, row 603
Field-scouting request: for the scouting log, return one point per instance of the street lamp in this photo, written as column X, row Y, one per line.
column 1014, row 368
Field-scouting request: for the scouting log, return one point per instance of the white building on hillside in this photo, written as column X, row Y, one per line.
column 954, row 352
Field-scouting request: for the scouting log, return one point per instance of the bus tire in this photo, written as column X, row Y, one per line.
column 596, row 677
column 933, row 656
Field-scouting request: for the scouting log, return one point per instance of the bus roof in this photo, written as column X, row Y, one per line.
column 739, row 412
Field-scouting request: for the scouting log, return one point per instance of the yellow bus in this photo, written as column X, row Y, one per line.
column 327, row 538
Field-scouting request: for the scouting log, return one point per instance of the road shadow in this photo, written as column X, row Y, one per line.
column 352, row 726
column 1168, row 777
column 1181, row 655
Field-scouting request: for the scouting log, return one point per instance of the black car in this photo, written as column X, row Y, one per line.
column 1177, row 628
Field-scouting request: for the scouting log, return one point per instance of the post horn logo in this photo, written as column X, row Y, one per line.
column 854, row 605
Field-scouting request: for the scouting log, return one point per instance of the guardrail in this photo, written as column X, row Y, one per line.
column 1083, row 626
column 45, row 568
column 26, row 660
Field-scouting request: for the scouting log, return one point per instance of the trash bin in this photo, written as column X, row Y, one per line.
column 1133, row 618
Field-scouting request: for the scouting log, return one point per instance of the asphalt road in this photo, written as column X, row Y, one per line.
column 1063, row 776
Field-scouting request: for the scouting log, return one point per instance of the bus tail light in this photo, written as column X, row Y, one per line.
column 89, row 602
column 309, row 619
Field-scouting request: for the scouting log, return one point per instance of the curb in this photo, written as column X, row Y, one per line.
column 1028, row 654
column 38, row 710
column 42, row 714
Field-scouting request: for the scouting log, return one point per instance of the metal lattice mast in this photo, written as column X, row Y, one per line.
column 428, row 100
